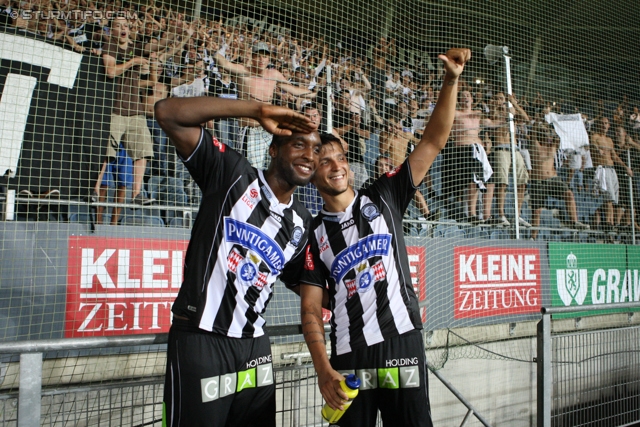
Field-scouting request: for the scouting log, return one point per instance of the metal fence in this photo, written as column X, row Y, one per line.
column 588, row 378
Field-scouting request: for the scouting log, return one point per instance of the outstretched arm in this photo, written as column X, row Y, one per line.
column 180, row 118
column 313, row 331
column 437, row 130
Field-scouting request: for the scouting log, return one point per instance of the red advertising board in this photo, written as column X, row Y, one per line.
column 496, row 281
column 418, row 270
column 119, row 286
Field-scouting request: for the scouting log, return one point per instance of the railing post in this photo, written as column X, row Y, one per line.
column 544, row 374
column 29, row 396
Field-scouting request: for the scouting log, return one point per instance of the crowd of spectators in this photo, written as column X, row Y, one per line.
column 375, row 102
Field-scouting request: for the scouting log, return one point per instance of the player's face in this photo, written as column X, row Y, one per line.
column 297, row 158
column 332, row 175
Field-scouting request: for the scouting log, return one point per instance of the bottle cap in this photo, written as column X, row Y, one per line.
column 352, row 382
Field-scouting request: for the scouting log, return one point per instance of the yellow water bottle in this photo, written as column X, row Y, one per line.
column 350, row 385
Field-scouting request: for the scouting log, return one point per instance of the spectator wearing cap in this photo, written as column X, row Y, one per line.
column 258, row 82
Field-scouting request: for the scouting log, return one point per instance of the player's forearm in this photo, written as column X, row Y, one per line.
column 191, row 112
column 439, row 127
column 313, row 331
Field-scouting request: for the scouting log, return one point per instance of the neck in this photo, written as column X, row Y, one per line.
column 340, row 202
column 282, row 189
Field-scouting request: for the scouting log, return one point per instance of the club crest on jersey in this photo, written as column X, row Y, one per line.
column 218, row 144
column 246, row 269
column 365, row 248
column 370, row 212
column 366, row 278
column 296, row 235
column 255, row 240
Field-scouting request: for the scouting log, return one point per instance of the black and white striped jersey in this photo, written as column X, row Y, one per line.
column 360, row 254
column 242, row 240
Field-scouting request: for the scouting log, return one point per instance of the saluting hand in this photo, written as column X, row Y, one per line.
column 283, row 121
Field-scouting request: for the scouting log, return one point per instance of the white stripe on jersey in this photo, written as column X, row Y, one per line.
column 240, row 212
column 372, row 330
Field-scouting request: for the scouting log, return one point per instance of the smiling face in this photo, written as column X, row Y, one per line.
column 332, row 174
column 295, row 158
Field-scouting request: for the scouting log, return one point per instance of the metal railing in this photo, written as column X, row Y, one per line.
column 589, row 378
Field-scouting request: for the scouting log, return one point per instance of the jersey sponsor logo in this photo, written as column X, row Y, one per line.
column 254, row 239
column 347, row 224
column 394, row 171
column 296, row 235
column 219, row 386
column 308, row 260
column 253, row 193
column 365, row 248
column 276, row 216
column 247, row 201
column 366, row 279
column 218, row 144
column 370, row 212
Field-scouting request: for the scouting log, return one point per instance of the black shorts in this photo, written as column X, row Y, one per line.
column 539, row 190
column 214, row 380
column 394, row 380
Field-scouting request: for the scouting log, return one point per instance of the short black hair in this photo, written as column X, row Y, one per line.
column 279, row 140
column 328, row 138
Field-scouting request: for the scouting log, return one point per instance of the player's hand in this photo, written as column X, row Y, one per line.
column 454, row 61
column 329, row 383
column 283, row 121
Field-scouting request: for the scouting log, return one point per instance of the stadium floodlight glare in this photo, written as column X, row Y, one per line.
column 493, row 54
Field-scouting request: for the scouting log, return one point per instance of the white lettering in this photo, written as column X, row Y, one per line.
column 112, row 316
column 464, row 301
column 388, row 379
column 149, row 268
column 613, row 280
column 480, row 276
column 227, row 385
column 124, row 269
column 466, row 269
column 98, row 268
column 176, row 269
column 409, row 382
column 529, row 266
column 154, row 312
column 598, row 291
column 136, row 316
column 493, row 267
column 89, row 318
column 515, row 266
column 211, row 393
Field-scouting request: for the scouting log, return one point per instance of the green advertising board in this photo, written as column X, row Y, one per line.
column 584, row 275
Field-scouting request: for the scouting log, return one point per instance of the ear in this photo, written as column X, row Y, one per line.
column 273, row 151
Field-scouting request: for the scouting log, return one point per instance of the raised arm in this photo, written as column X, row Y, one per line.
column 225, row 64
column 180, row 118
column 437, row 130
